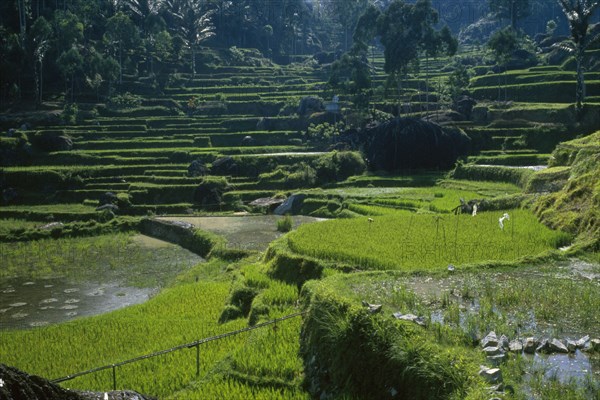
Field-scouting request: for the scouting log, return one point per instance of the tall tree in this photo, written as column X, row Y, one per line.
column 513, row 10
column 503, row 44
column 193, row 24
column 404, row 29
column 121, row 32
column 579, row 14
column 40, row 34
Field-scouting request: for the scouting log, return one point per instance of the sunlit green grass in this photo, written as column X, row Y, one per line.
column 411, row 242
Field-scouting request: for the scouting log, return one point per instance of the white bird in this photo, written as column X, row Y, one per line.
column 451, row 268
column 501, row 220
column 370, row 220
column 105, row 396
column 474, row 210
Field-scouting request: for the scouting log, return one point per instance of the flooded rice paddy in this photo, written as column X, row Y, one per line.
column 243, row 232
column 49, row 282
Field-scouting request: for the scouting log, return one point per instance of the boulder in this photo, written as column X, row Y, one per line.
column 571, row 345
column 109, row 207
column 108, row 198
column 491, row 375
column 410, row 317
column 582, row 342
column 264, row 124
column 372, row 308
column 309, row 105
column 492, row 351
column 267, row 202
column 224, row 166
column 503, row 342
column 53, row 141
column 479, row 114
column 464, row 105
column 595, row 344
column 291, row 205
column 543, row 347
column 491, row 340
column 516, row 346
column 51, row 225
column 405, row 143
column 248, row 141
column 530, row 345
column 20, row 385
column 556, row 346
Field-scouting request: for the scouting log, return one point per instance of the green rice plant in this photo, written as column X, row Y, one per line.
column 425, row 242
column 285, row 224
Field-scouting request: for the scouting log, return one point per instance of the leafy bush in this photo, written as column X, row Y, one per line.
column 124, row 101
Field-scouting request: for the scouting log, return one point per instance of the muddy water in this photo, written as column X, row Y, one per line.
column 244, row 232
column 27, row 304
column 148, row 264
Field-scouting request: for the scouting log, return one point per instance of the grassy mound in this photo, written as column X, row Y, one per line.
column 350, row 353
column 576, row 207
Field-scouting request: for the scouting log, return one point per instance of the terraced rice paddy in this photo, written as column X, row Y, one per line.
column 52, row 281
column 410, row 242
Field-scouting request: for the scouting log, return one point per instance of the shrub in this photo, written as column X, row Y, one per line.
column 124, row 101
column 210, row 191
column 285, row 224
column 230, row 312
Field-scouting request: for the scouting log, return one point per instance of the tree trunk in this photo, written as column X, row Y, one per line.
column 580, row 91
column 120, row 63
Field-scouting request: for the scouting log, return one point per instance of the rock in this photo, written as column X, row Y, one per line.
column 248, row 141
column 108, row 198
column 20, row 385
column 224, row 166
column 491, row 340
column 543, row 347
column 581, row 342
column 516, row 346
column 267, row 202
column 290, row 206
column 409, row 317
column 571, row 345
column 491, row 375
column 595, row 344
column 497, row 359
column 110, row 207
column 530, row 345
column 405, row 143
column 264, row 124
column 25, row 127
column 373, row 308
column 479, row 114
column 309, row 105
column 53, row 141
column 464, row 105
column 51, row 225
column 503, row 342
column 556, row 346
column 492, row 351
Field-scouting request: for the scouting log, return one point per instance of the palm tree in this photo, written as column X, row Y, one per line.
column 579, row 13
column 193, row 24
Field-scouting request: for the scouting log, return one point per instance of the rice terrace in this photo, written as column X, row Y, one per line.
column 300, row 199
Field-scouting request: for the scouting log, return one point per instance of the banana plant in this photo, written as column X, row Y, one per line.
column 579, row 14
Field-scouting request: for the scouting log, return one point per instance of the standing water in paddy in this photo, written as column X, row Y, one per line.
column 52, row 281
